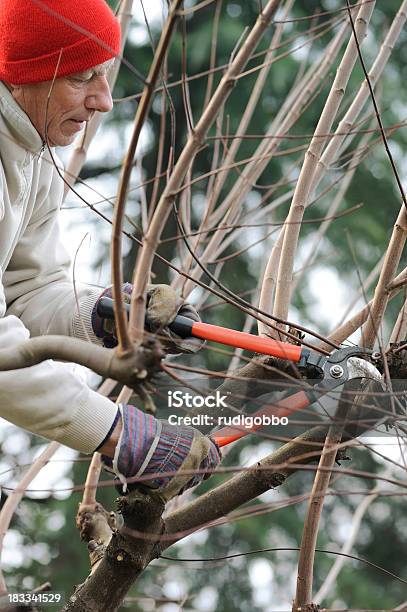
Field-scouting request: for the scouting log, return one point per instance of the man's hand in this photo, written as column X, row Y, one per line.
column 141, row 444
column 163, row 305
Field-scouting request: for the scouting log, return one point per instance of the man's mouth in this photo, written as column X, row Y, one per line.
column 80, row 124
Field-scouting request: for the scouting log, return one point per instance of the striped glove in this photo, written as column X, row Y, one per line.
column 163, row 305
column 152, row 446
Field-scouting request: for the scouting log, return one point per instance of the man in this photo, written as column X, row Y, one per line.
column 54, row 58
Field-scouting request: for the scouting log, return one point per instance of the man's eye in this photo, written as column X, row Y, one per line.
column 83, row 79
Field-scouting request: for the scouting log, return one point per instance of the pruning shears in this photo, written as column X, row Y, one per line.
column 331, row 371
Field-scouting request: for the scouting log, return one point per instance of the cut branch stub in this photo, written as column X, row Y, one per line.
column 129, row 551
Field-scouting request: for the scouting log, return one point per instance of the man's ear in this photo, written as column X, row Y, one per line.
column 17, row 91
column 12, row 87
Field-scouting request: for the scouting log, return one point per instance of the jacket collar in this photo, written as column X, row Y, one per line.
column 18, row 123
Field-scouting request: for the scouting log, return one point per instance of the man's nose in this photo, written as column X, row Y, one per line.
column 99, row 97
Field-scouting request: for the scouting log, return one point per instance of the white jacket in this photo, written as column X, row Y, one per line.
column 36, row 293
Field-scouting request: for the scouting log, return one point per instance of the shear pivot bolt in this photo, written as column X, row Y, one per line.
column 336, row 371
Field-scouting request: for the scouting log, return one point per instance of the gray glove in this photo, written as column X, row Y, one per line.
column 163, row 305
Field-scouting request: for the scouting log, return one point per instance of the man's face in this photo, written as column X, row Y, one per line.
column 60, row 110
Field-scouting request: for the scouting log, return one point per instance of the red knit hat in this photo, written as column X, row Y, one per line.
column 37, row 34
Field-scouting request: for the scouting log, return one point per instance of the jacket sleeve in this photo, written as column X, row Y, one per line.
column 38, row 284
column 51, row 400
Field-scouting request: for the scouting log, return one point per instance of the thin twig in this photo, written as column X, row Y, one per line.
column 17, row 494
column 123, row 336
column 303, row 596
column 79, row 154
